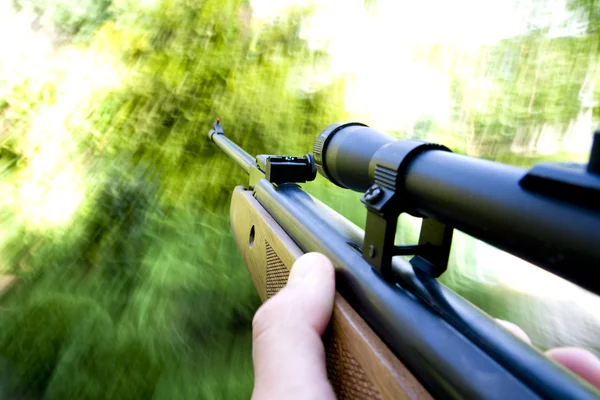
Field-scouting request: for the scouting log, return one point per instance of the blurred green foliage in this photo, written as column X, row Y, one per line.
column 76, row 18
column 141, row 292
column 538, row 81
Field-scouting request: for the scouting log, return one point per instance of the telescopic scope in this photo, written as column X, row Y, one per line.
column 549, row 215
column 345, row 160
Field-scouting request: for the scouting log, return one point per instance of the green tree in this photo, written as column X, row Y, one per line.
column 151, row 246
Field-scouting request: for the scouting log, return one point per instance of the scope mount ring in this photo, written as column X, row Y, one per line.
column 386, row 199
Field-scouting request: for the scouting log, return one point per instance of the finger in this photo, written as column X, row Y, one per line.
column 515, row 330
column 288, row 353
column 579, row 361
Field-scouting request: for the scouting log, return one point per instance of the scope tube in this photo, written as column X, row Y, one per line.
column 343, row 153
column 484, row 199
column 481, row 198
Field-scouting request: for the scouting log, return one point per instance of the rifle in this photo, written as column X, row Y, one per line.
column 396, row 332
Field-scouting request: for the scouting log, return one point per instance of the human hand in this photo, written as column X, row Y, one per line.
column 579, row 361
column 288, row 354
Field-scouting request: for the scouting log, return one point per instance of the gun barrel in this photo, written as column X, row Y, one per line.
column 235, row 152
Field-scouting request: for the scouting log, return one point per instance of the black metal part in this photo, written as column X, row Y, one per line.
column 433, row 251
column 378, row 248
column 217, row 128
column 386, row 200
column 277, row 169
column 594, row 163
column 569, row 182
column 454, row 349
column 549, row 216
column 287, row 169
column 236, row 153
column 485, row 200
column 346, row 168
column 373, row 194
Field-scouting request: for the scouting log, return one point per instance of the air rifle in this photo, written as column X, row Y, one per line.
column 396, row 332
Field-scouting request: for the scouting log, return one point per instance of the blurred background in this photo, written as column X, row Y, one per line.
column 126, row 282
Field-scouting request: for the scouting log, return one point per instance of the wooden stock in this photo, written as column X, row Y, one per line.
column 359, row 364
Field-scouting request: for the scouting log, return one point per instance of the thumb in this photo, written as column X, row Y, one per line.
column 288, row 354
column 580, row 361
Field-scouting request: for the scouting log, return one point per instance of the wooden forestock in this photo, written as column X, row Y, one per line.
column 359, row 364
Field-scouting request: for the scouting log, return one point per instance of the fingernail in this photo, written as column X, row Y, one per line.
column 306, row 266
column 301, row 270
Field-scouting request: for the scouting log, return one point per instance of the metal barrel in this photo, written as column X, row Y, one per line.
column 235, row 152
